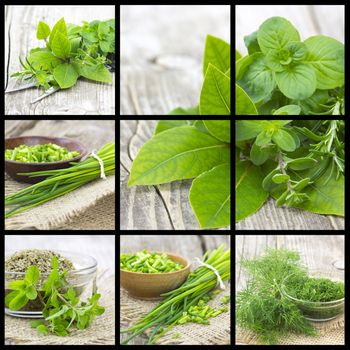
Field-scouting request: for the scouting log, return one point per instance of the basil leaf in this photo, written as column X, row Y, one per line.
column 65, row 75
column 43, row 31
column 61, row 46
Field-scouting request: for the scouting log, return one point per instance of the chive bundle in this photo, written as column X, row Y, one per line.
column 61, row 181
column 47, row 153
column 146, row 262
column 168, row 313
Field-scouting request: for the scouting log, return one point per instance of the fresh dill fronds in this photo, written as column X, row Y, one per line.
column 261, row 306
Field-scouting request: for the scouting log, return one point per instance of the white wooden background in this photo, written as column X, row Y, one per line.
column 86, row 97
column 161, row 55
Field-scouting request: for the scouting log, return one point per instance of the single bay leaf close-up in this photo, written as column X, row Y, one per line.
column 250, row 195
column 215, row 96
column 175, row 154
column 210, row 197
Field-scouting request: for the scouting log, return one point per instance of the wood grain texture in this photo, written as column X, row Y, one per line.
column 161, row 68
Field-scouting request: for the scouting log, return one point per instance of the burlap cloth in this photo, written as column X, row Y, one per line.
column 101, row 332
column 329, row 333
column 90, row 207
column 216, row 333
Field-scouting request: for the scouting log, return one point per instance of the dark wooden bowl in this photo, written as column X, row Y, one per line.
column 13, row 168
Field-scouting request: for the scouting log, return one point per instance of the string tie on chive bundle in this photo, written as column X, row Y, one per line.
column 219, row 280
column 94, row 155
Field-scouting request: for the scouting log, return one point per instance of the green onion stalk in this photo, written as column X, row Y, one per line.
column 199, row 283
column 61, row 181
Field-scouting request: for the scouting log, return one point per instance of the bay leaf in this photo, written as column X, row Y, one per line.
column 175, row 154
column 215, row 96
column 221, row 129
column 210, row 197
column 250, row 195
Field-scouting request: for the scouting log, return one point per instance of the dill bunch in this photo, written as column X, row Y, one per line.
column 261, row 306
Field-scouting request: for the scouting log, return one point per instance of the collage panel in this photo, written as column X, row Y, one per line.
column 175, row 290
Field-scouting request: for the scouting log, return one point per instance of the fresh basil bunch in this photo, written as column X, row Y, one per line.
column 300, row 163
column 71, row 51
column 282, row 75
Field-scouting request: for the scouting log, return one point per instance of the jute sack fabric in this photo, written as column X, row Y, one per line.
column 98, row 217
column 101, row 331
column 216, row 333
column 62, row 210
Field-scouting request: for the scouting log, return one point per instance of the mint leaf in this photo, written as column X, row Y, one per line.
column 175, row 154
column 61, row 46
column 59, row 27
column 43, row 59
column 43, row 31
column 19, row 300
column 210, row 197
column 65, row 75
column 98, row 73
column 32, row 275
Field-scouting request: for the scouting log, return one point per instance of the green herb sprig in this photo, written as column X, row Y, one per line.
column 62, row 308
column 295, row 160
column 261, row 307
column 61, row 181
column 146, row 262
column 71, row 51
column 179, row 301
column 282, row 75
column 39, row 153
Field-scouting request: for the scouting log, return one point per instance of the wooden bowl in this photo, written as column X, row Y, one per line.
column 150, row 286
column 13, row 168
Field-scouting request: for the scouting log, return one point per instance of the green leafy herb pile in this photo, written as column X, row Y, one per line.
column 188, row 303
column 261, row 306
column 146, row 262
column 39, row 153
column 299, row 163
column 185, row 149
column 71, row 51
column 282, row 75
column 62, row 308
column 215, row 98
column 315, row 289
